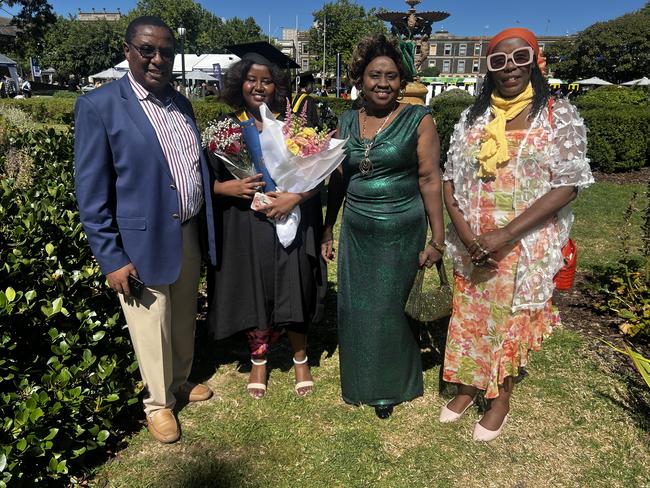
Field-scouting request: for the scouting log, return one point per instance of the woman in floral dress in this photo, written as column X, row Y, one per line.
column 515, row 162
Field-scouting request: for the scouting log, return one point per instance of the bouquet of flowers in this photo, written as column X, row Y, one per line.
column 223, row 139
column 298, row 158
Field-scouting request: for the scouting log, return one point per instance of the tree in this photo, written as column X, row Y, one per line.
column 33, row 20
column 217, row 34
column 430, row 71
column 616, row 50
column 205, row 32
column 74, row 47
column 346, row 23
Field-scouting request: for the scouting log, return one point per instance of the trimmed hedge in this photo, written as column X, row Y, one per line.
column 45, row 110
column 446, row 109
column 68, row 377
column 618, row 119
column 618, row 139
column 208, row 109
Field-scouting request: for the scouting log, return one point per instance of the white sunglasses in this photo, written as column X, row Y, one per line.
column 520, row 57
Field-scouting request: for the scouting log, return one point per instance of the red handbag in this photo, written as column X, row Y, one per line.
column 564, row 278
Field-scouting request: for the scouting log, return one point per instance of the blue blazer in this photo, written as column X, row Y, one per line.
column 127, row 197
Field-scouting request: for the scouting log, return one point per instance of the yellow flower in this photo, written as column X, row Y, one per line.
column 308, row 132
column 292, row 146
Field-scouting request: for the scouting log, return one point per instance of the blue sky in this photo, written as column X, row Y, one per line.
column 469, row 17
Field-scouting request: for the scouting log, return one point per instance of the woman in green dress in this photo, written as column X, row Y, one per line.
column 391, row 183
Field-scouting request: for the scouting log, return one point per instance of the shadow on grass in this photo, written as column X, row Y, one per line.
column 635, row 400
column 195, row 470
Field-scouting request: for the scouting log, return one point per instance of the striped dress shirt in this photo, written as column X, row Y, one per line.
column 179, row 145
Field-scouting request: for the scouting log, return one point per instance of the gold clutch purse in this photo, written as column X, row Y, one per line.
column 428, row 305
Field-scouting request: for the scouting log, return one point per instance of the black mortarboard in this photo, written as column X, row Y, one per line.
column 306, row 78
column 262, row 53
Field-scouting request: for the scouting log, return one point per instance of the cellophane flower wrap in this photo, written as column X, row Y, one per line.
column 223, row 139
column 298, row 158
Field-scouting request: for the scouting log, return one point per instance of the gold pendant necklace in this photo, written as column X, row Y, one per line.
column 365, row 166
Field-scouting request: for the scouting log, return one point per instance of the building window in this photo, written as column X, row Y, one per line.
column 305, row 64
column 461, row 66
column 477, row 49
column 446, row 66
column 305, row 51
column 432, row 63
column 433, row 50
column 418, row 49
column 476, row 66
column 447, row 49
column 462, row 50
column 541, row 47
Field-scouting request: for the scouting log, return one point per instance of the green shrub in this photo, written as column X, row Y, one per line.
column 44, row 109
column 16, row 117
column 338, row 105
column 446, row 109
column 206, row 110
column 65, row 94
column 613, row 96
column 68, row 378
column 624, row 287
column 618, row 139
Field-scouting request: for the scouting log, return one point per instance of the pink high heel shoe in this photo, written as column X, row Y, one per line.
column 481, row 434
column 447, row 416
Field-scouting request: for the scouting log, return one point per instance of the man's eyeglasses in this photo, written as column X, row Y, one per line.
column 520, row 57
column 149, row 52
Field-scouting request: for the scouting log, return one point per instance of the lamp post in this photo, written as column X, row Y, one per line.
column 181, row 32
column 317, row 25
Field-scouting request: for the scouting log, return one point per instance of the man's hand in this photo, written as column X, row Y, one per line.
column 118, row 280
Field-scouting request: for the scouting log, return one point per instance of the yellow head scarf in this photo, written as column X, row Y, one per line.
column 494, row 150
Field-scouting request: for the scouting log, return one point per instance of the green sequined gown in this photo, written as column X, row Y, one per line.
column 382, row 233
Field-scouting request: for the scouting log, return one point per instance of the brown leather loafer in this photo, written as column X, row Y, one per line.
column 163, row 426
column 193, row 392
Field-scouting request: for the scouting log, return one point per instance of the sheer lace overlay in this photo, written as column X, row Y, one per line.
column 552, row 154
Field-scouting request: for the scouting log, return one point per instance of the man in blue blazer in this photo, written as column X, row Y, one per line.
column 143, row 190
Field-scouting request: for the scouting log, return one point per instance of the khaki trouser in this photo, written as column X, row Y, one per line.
column 162, row 324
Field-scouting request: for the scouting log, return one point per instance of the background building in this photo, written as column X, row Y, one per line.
column 7, row 34
column 103, row 15
column 457, row 56
column 294, row 44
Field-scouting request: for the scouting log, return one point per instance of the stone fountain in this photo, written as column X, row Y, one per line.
column 414, row 27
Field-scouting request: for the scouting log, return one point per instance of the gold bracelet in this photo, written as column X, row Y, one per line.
column 441, row 248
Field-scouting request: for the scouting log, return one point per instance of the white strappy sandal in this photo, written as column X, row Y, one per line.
column 257, row 386
column 303, row 384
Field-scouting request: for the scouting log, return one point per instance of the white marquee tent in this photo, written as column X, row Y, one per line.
column 10, row 65
column 640, row 82
column 593, row 81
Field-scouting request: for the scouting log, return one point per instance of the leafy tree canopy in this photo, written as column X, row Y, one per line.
column 205, row 32
column 345, row 24
column 33, row 20
column 430, row 71
column 616, row 51
column 79, row 48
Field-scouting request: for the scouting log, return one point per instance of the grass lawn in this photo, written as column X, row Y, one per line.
column 600, row 222
column 570, row 422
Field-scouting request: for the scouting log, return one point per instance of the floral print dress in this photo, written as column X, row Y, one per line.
column 499, row 315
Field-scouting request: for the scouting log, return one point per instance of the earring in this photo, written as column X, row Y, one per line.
column 401, row 94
